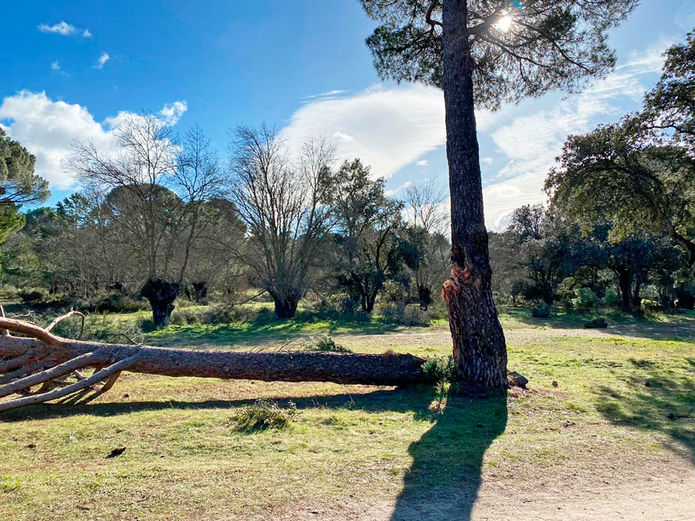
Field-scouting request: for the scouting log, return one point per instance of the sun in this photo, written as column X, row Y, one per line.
column 504, row 23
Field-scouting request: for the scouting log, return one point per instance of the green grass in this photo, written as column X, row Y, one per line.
column 347, row 446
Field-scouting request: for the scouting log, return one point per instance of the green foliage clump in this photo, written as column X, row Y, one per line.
column 263, row 415
column 113, row 302
column 542, row 310
column 610, row 298
column 596, row 323
column 585, row 300
column 651, row 306
column 440, row 369
column 327, row 344
column 405, row 314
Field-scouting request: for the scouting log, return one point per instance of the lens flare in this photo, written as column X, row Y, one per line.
column 504, row 23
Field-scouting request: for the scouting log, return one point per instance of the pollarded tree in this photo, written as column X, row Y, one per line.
column 281, row 202
column 483, row 53
column 18, row 184
column 158, row 188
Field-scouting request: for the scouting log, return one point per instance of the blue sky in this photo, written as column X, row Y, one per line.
column 70, row 67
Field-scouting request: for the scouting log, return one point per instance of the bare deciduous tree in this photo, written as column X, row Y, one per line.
column 281, row 201
column 156, row 188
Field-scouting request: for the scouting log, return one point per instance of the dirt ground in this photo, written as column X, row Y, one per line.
column 665, row 492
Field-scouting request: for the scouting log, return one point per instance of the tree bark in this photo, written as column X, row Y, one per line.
column 161, row 295
column 625, row 287
column 479, row 345
column 285, row 307
column 343, row 368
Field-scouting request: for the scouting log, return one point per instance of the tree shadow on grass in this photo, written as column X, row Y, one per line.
column 681, row 328
column 443, row 481
column 657, row 400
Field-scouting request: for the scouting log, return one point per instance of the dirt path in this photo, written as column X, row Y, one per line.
column 649, row 497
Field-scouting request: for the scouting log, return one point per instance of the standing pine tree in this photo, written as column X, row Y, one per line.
column 483, row 53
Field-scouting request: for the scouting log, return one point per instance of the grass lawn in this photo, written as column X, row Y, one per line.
column 602, row 407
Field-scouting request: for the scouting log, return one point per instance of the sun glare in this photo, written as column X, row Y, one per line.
column 504, row 24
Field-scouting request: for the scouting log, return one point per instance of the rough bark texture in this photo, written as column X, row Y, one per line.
column 479, row 344
column 161, row 295
column 387, row 369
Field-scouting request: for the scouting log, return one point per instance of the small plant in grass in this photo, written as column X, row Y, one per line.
column 326, row 343
column 262, row 415
column 441, row 370
column 9, row 485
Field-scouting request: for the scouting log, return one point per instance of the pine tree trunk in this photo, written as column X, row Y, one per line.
column 479, row 345
column 344, row 368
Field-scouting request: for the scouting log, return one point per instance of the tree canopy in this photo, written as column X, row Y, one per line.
column 517, row 49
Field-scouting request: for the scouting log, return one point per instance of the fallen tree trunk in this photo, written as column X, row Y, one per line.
column 41, row 357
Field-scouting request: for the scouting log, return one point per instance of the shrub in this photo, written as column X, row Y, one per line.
column 327, row 344
column 113, row 302
column 440, row 369
column 262, row 415
column 651, row 305
column 405, row 315
column 33, row 296
column 100, row 327
column 542, row 310
column 610, row 298
column 596, row 323
column 585, row 300
column 196, row 315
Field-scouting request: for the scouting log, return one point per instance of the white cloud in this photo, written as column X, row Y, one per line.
column 327, row 94
column 422, row 162
column 388, row 128
column 64, row 29
column 102, row 60
column 487, row 160
column 48, row 128
column 55, row 66
column 530, row 143
column 171, row 113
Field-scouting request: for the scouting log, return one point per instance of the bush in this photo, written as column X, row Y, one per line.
column 651, row 305
column 327, row 344
column 341, row 306
column 200, row 315
column 585, row 300
column 542, row 310
column 405, row 315
column 33, row 296
column 610, row 298
column 440, row 369
column 262, row 415
column 596, row 323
